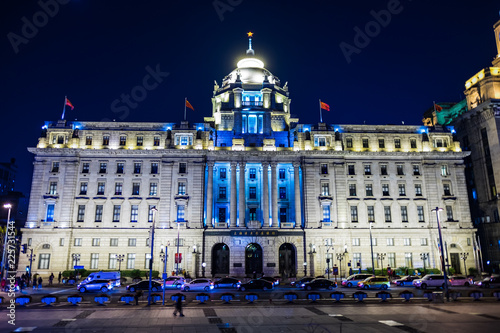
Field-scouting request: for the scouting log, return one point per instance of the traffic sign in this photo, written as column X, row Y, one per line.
column 78, row 267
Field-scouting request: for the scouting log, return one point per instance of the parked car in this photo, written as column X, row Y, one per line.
column 352, row 280
column 144, row 285
column 406, row 280
column 256, row 284
column 375, row 282
column 300, row 283
column 460, row 280
column 320, row 284
column 274, row 281
column 227, row 282
column 198, row 284
column 174, row 282
column 489, row 282
column 95, row 285
column 430, row 280
column 115, row 277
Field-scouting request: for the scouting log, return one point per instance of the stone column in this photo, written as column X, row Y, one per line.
column 265, row 193
column 232, row 203
column 296, row 184
column 241, row 196
column 274, row 194
column 210, row 193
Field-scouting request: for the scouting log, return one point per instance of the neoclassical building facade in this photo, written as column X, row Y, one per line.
column 248, row 190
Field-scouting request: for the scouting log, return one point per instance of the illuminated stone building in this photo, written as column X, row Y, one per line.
column 248, row 190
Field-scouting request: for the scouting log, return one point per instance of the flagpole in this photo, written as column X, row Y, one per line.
column 64, row 107
column 320, row 113
column 185, row 100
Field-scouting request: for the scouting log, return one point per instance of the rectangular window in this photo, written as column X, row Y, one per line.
column 116, row 213
column 112, row 261
column 391, row 259
column 130, row 260
column 140, row 140
column 113, row 242
column 53, row 188
column 368, row 169
column 50, row 213
column 137, row 167
column 282, row 192
column 365, row 143
column 154, row 168
column 153, row 189
column 418, row 190
column 444, row 170
column 408, row 259
column 400, row 169
column 55, row 167
column 147, row 260
column 402, row 189
column 85, row 167
column 354, row 213
column 356, row 260
column 134, row 212
column 132, row 242
column 222, row 215
column 449, row 213
column 383, row 169
column 61, row 241
column 252, row 173
column 423, row 241
column 369, row 190
column 118, row 188
column 325, row 189
column 446, row 189
column 413, row 143
column 119, row 167
column 420, row 213
column 252, row 214
column 350, row 170
column 390, row 241
column 326, row 213
column 156, row 141
column 136, row 187
column 282, row 215
column 381, row 143
column 324, row 169
column 44, row 261
column 373, row 241
column 416, row 170
column 180, row 213
column 282, row 173
column 98, row 213
column 181, row 188
column 100, row 188
column 81, row 213
column 252, row 192
column 222, row 192
column 387, row 213
column 404, row 214
column 348, row 143
column 105, row 140
column 223, row 175
column 88, row 140
column 77, row 242
column 96, row 242
column 83, row 188
column 355, row 242
column 151, row 212
column 182, row 167
column 407, row 241
column 385, row 189
column 352, row 190
column 102, row 167
column 397, row 143
column 123, row 140
column 371, row 213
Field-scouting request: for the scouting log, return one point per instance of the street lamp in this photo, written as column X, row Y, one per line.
column 203, row 265
column 437, row 210
column 464, row 258
column 120, row 258
column 151, row 257
column 177, row 259
column 381, row 257
column 340, row 257
column 163, row 258
column 305, row 268
column 328, row 260
column 424, row 257
column 4, row 256
column 31, row 257
column 76, row 259
column 371, row 247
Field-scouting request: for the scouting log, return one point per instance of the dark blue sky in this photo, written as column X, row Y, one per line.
column 95, row 51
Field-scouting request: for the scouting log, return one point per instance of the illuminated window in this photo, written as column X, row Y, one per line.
column 385, row 189
column 44, row 261
column 400, row 169
column 348, row 142
column 282, row 173
column 252, row 192
column 137, row 167
column 55, row 167
column 100, row 188
column 354, row 213
column 88, row 140
column 151, row 211
column 252, row 173
column 402, row 189
column 112, row 261
column 369, row 190
column 325, row 189
column 147, row 260
column 154, row 168
column 365, row 143
column 123, row 140
column 408, row 259
column 416, row 170
column 130, row 260
column 116, row 213
column 140, row 140
column 102, row 167
column 136, row 187
column 118, row 188
column 319, row 141
column 282, row 192
column 180, row 213
column 85, row 167
column 444, row 170
column 352, row 190
column 381, row 143
column 223, row 174
column 181, row 188
column 404, row 214
column 134, row 212
column 153, row 188
column 326, row 213
column 387, row 213
column 418, row 190
column 397, row 143
column 420, row 213
column 119, row 167
column 449, row 213
column 252, row 124
column 96, row 242
column 371, row 213
column 53, row 188
column 368, row 169
column 81, row 213
column 222, row 192
column 98, row 213
column 83, row 188
column 156, row 141
column 105, row 140
column 50, row 213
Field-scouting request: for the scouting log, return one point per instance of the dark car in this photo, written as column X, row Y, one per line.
column 320, row 284
column 406, row 281
column 301, row 282
column 274, row 281
column 227, row 282
column 95, row 285
column 256, row 284
column 489, row 282
column 144, row 285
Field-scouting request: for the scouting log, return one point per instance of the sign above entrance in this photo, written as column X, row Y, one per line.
column 245, row 233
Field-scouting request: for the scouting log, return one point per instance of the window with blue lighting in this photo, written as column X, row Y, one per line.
column 222, row 215
column 252, row 124
column 222, row 173
column 50, row 213
column 252, row 192
column 222, row 192
column 180, row 213
column 282, row 173
column 282, row 215
column 282, row 192
column 326, row 213
column 252, row 173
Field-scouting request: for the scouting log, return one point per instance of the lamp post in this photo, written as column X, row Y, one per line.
column 305, row 268
column 381, row 257
column 163, row 258
column 120, row 258
column 151, row 257
column 437, row 209
column 340, row 257
column 328, row 260
column 31, row 257
column 371, row 248
column 203, row 265
column 464, row 258
column 4, row 256
column 76, row 259
column 424, row 257
column 177, row 259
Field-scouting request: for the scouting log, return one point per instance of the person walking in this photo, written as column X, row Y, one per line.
column 178, row 307
column 40, row 280
column 51, row 278
column 138, row 294
column 34, row 282
column 59, row 278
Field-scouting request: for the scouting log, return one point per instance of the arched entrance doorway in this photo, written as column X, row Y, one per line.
column 287, row 260
column 253, row 259
column 220, row 259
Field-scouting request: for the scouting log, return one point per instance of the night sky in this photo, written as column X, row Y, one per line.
column 95, row 51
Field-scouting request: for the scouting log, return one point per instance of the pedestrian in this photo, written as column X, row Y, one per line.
column 40, row 280
column 254, row 275
column 59, row 278
column 138, row 294
column 34, row 282
column 51, row 278
column 3, row 284
column 178, row 307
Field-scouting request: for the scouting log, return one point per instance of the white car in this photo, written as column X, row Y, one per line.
column 198, row 284
column 430, row 280
column 174, row 282
column 460, row 280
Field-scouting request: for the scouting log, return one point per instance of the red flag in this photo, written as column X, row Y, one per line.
column 438, row 107
column 325, row 106
column 178, row 258
column 68, row 103
column 188, row 105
